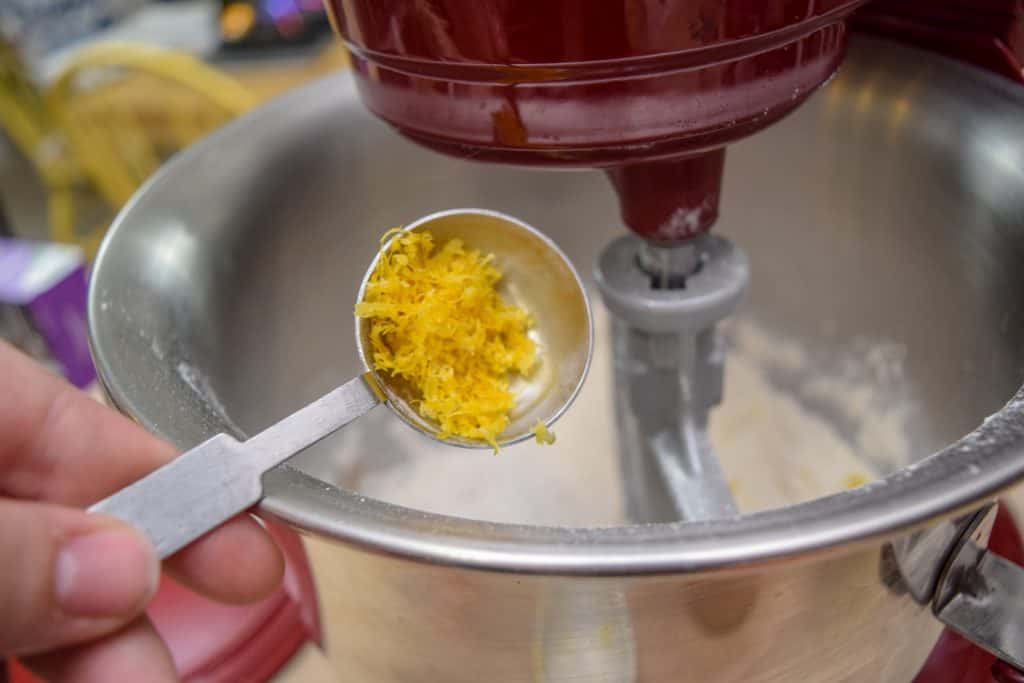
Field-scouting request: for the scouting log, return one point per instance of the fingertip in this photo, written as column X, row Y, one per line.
column 68, row 576
column 111, row 572
column 238, row 563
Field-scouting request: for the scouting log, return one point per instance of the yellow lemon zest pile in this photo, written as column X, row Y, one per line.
column 545, row 437
column 438, row 322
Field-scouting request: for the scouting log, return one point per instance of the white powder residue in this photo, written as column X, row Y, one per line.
column 774, row 451
column 203, row 390
column 862, row 391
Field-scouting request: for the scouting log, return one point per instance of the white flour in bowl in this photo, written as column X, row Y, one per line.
column 775, row 451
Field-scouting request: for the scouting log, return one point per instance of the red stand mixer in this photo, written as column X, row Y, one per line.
column 651, row 91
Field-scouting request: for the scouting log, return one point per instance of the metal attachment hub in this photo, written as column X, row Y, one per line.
column 669, row 367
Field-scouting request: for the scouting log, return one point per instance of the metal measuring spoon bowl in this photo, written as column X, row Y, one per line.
column 207, row 485
column 536, row 276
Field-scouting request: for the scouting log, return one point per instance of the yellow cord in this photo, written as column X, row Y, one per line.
column 115, row 151
column 82, row 128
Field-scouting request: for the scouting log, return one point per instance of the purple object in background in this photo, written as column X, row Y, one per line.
column 42, row 305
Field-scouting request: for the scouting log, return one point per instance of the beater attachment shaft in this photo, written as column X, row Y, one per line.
column 665, row 303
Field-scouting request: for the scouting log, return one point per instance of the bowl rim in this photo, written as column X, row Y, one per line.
column 959, row 477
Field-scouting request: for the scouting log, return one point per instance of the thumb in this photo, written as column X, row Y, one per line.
column 67, row 576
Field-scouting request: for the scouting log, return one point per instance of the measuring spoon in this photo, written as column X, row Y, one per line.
column 207, row 485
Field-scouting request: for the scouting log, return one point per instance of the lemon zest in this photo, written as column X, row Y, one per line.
column 544, row 436
column 437, row 321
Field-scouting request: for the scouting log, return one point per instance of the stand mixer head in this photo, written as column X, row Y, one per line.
column 650, row 91
column 615, row 85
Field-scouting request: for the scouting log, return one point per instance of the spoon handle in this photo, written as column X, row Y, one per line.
column 209, row 484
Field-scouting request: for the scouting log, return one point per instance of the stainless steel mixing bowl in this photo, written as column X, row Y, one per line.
column 890, row 207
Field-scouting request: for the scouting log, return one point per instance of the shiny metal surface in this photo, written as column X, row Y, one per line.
column 395, row 619
column 535, row 275
column 669, row 264
column 211, row 483
column 889, row 207
column 914, row 563
column 980, row 594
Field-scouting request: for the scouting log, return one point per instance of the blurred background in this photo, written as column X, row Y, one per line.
column 95, row 94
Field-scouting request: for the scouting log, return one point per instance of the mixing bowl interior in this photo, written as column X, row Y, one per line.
column 884, row 222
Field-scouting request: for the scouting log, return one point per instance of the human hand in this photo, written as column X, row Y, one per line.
column 73, row 585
